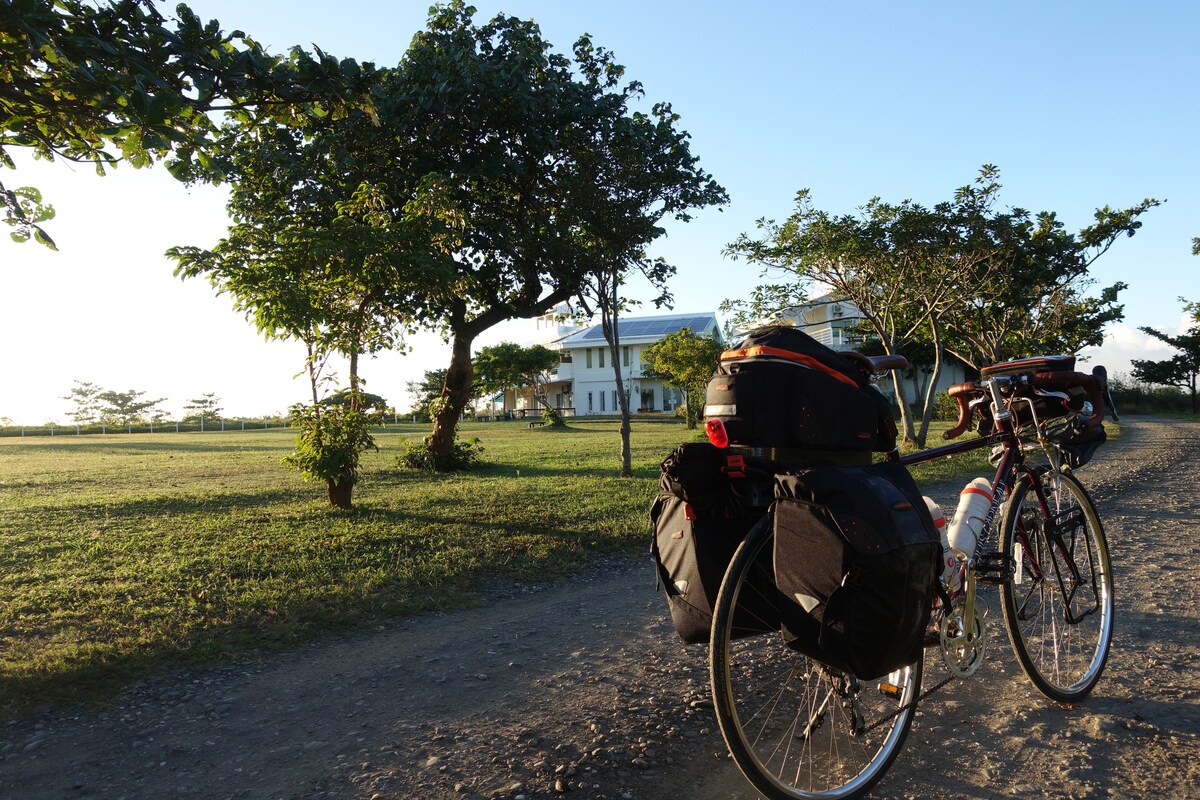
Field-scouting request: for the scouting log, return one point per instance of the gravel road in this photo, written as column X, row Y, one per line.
column 582, row 689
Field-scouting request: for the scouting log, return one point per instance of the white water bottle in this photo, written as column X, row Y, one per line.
column 973, row 505
column 949, row 561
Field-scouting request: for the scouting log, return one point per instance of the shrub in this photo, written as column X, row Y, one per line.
column 946, row 408
column 329, row 443
column 463, row 456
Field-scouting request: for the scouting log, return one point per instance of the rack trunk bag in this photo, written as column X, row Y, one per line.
column 783, row 391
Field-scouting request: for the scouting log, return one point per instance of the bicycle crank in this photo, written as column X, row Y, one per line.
column 962, row 646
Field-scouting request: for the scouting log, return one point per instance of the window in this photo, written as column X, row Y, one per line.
column 625, row 356
column 602, row 409
column 589, row 393
column 600, row 350
column 588, row 357
column 616, row 405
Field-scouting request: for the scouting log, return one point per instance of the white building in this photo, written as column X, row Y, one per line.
column 831, row 322
column 584, row 383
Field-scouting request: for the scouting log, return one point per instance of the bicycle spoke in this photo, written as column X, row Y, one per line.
column 1059, row 608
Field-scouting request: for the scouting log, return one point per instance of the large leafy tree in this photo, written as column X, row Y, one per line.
column 304, row 258
column 901, row 265
column 643, row 199
column 206, row 407
column 963, row 276
column 116, row 81
column 519, row 142
column 85, row 396
column 507, row 365
column 685, row 360
column 307, row 259
column 124, row 408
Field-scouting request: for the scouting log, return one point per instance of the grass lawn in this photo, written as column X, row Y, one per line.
column 123, row 554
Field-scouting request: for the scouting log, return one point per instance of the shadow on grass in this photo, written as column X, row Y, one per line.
column 148, row 447
column 193, row 504
column 98, row 672
column 97, row 675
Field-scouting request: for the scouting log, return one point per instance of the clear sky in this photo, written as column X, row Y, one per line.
column 1080, row 104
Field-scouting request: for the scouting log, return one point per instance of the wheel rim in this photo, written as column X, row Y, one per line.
column 1060, row 622
column 795, row 728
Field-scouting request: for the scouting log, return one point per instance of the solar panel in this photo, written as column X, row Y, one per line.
column 645, row 326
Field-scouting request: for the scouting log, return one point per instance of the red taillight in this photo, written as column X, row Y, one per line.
column 715, row 429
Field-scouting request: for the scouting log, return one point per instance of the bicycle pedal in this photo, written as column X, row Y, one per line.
column 994, row 567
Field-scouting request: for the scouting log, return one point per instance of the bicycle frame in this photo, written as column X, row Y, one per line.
column 1008, row 472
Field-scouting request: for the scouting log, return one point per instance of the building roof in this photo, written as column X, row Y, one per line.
column 649, row 328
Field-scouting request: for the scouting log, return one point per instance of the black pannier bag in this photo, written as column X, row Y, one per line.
column 782, row 389
column 692, row 549
column 699, row 520
column 856, row 560
column 694, row 472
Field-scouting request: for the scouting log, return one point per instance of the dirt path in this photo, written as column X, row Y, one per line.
column 584, row 689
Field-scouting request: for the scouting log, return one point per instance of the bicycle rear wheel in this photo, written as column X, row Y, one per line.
column 1058, row 608
column 796, row 728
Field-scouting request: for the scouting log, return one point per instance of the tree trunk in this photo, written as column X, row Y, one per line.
column 906, row 420
column 930, row 401
column 609, row 323
column 689, row 414
column 623, row 404
column 456, row 393
column 339, row 493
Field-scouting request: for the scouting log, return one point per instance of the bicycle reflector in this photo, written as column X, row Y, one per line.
column 715, row 430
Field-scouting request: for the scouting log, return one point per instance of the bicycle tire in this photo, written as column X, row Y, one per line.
column 766, row 696
column 1060, row 625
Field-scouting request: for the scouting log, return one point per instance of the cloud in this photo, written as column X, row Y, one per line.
column 1123, row 343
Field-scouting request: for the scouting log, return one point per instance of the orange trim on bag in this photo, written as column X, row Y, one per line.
column 808, row 361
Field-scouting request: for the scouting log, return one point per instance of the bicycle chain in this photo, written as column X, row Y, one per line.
column 907, row 706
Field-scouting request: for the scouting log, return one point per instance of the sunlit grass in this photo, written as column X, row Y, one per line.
column 120, row 554
column 123, row 554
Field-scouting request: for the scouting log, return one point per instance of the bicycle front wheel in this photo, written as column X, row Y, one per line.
column 796, row 728
column 1058, row 607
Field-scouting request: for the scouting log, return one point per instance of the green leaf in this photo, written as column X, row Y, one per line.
column 41, row 237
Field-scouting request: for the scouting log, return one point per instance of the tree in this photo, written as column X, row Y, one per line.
column 330, row 444
column 901, row 266
column 426, row 391
column 961, row 277
column 125, row 408
column 686, row 361
column 206, row 407
column 510, row 366
column 1180, row 370
column 305, row 259
column 86, row 397
column 115, row 82
column 517, row 139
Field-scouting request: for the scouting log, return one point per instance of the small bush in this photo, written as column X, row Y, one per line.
column 946, row 408
column 463, row 456
column 329, row 443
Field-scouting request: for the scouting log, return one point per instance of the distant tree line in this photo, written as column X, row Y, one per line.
column 94, row 405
